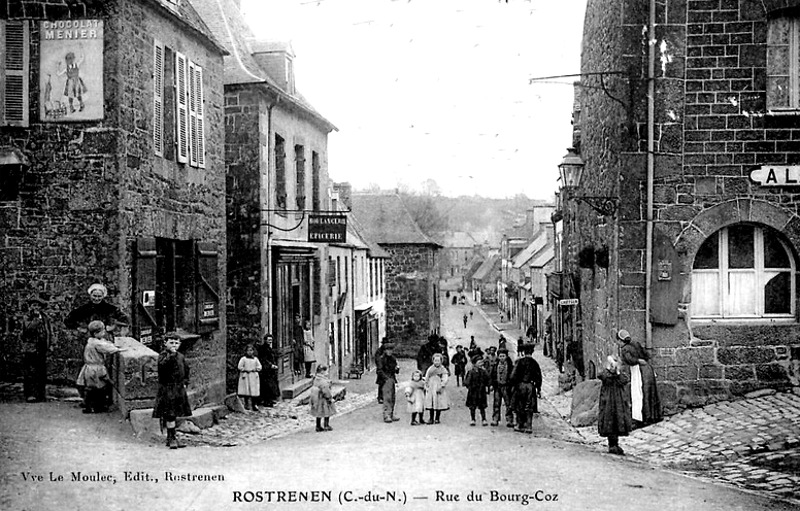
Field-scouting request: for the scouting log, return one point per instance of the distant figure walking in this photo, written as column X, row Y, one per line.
column 465, row 320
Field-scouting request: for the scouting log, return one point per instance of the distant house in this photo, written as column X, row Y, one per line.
column 485, row 278
column 412, row 271
column 473, row 265
column 459, row 248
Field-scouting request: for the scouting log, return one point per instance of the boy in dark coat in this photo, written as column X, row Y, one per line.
column 614, row 420
column 476, row 381
column 526, row 378
column 173, row 377
column 500, row 379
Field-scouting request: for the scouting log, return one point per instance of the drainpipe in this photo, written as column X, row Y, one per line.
column 270, row 276
column 651, row 92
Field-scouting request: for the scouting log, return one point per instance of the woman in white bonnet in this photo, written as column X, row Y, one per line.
column 97, row 309
column 645, row 403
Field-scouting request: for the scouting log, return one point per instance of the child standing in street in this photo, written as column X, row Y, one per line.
column 415, row 395
column 459, row 362
column 173, row 378
column 500, row 380
column 476, row 382
column 436, row 399
column 322, row 406
column 614, row 419
column 249, row 382
column 94, row 375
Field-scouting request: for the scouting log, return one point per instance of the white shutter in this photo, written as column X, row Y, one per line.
column 192, row 117
column 14, row 73
column 181, row 104
column 158, row 98
column 200, row 114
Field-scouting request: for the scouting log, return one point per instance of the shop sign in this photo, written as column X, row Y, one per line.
column 777, row 175
column 327, row 228
column 568, row 301
column 71, row 70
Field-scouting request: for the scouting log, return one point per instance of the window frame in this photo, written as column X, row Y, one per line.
column 791, row 71
column 723, row 271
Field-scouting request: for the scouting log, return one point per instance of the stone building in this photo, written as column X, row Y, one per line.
column 276, row 157
column 411, row 272
column 689, row 131
column 459, row 247
column 111, row 154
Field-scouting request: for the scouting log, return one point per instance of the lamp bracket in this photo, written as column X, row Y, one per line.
column 603, row 205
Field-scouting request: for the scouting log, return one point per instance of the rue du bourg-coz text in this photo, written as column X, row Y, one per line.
column 401, row 497
column 127, row 476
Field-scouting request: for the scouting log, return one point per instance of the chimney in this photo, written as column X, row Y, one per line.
column 345, row 190
column 276, row 58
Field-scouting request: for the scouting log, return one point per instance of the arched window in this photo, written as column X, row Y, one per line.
column 743, row 271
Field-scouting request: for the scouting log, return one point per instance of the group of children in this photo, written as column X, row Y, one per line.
column 428, row 393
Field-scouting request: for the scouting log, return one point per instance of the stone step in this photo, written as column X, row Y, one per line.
column 295, row 389
column 339, row 391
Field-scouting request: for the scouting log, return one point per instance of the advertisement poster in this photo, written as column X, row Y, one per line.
column 71, row 70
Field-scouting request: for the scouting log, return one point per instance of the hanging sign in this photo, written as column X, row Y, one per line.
column 568, row 302
column 777, row 175
column 71, row 70
column 327, row 228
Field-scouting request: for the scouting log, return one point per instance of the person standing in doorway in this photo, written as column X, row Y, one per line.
column 298, row 354
column 309, row 356
column 173, row 378
column 270, row 389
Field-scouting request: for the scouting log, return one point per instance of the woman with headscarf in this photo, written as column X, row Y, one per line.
column 97, row 309
column 645, row 403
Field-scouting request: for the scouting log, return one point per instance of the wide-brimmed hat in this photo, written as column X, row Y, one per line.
column 623, row 335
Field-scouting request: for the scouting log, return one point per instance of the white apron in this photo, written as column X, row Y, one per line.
column 637, row 396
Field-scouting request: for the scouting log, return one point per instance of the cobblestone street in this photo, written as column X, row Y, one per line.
column 750, row 443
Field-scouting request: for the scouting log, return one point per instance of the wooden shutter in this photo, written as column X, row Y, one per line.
column 14, row 73
column 192, row 116
column 145, row 325
column 207, row 287
column 181, row 108
column 158, row 98
column 200, row 117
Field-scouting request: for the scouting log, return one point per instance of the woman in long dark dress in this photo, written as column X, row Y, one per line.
column 614, row 419
column 645, row 403
column 270, row 390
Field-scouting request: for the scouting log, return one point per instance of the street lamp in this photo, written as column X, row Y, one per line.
column 571, row 171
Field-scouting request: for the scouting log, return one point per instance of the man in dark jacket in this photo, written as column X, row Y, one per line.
column 526, row 378
column 36, row 337
column 388, row 375
column 270, row 389
column 378, row 365
column 500, row 380
column 426, row 351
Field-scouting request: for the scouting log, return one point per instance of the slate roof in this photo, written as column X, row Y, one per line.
column 228, row 24
column 459, row 239
column 544, row 256
column 536, row 244
column 386, row 220
column 472, row 267
column 488, row 267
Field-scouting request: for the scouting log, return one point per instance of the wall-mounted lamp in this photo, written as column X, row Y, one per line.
column 570, row 171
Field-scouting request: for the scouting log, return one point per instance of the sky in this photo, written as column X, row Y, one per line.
column 436, row 90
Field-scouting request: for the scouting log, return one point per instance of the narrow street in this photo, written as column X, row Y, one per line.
column 362, row 464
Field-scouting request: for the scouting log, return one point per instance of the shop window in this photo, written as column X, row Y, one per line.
column 14, row 72
column 783, row 63
column 176, row 287
column 743, row 271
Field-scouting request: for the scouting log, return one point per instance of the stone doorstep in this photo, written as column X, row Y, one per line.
column 295, row 389
column 144, row 424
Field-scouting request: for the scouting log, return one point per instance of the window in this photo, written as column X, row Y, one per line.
column 315, row 171
column 189, row 111
column 14, row 73
column 280, row 172
column 783, row 63
column 300, row 174
column 158, row 99
column 743, row 271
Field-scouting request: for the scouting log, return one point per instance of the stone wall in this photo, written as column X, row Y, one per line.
column 710, row 131
column 94, row 188
column 412, row 306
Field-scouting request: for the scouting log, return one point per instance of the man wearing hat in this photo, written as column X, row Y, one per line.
column 500, row 381
column 387, row 373
column 36, row 338
column 526, row 378
column 645, row 403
